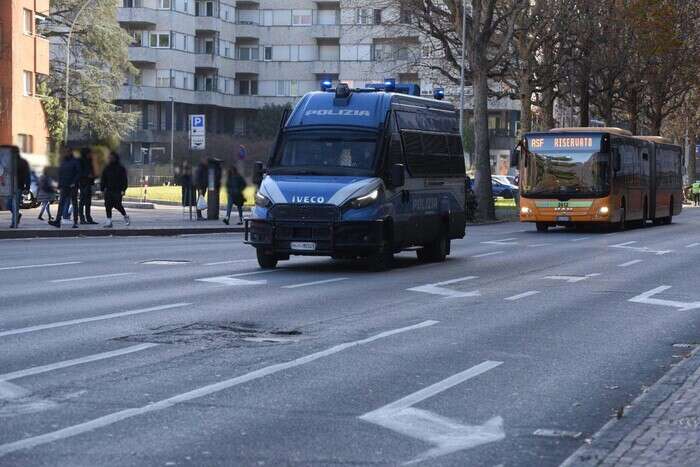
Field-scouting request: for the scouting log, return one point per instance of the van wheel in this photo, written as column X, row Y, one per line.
column 541, row 226
column 266, row 260
column 436, row 251
column 382, row 260
column 669, row 219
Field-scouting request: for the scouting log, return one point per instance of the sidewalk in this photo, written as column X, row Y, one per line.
column 161, row 220
column 661, row 428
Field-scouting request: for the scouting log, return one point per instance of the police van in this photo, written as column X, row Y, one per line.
column 361, row 173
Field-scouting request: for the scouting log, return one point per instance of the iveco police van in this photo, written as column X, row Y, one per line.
column 361, row 173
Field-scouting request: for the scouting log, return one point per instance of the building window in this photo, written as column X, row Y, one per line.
column 164, row 4
column 25, row 143
column 28, row 82
column 163, row 78
column 209, row 46
column 27, row 21
column 160, row 40
column 248, row 53
column 301, row 18
column 248, row 87
column 364, row 16
column 377, row 16
column 405, row 17
column 268, row 53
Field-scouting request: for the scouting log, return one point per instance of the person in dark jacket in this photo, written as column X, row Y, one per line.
column 201, row 183
column 24, row 182
column 235, row 184
column 114, row 182
column 46, row 194
column 87, row 183
column 186, row 182
column 68, row 178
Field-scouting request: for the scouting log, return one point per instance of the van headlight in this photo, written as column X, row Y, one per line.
column 364, row 200
column 262, row 201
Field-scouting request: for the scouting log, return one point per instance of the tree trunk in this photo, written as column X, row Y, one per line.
column 633, row 111
column 549, row 122
column 584, row 107
column 484, row 193
column 691, row 169
column 525, row 101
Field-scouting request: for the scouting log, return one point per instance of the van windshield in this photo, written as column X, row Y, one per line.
column 326, row 153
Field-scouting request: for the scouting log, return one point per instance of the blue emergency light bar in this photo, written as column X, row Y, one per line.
column 439, row 93
column 326, row 85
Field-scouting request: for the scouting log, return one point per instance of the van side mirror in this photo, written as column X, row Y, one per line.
column 514, row 157
column 397, row 175
column 258, row 172
column 617, row 161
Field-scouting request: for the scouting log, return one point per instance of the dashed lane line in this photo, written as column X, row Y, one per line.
column 72, row 322
column 629, row 263
column 529, row 293
column 491, row 253
column 203, row 391
column 692, row 245
column 85, row 278
column 579, row 239
column 306, row 284
column 30, row 266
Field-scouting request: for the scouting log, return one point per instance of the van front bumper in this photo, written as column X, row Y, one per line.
column 329, row 238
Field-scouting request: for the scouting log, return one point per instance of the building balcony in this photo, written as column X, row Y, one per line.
column 325, row 67
column 320, row 31
column 244, row 31
column 207, row 23
column 502, row 139
column 41, row 45
column 137, row 17
column 209, row 61
column 144, row 55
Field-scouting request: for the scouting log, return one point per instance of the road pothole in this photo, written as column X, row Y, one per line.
column 219, row 335
column 166, row 262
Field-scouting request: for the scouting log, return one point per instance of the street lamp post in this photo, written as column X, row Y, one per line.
column 461, row 74
column 70, row 37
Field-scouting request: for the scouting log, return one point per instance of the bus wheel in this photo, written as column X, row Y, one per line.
column 266, row 260
column 622, row 224
column 645, row 215
column 669, row 219
column 436, row 251
column 541, row 226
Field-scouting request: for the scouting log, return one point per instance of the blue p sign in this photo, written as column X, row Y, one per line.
column 197, row 121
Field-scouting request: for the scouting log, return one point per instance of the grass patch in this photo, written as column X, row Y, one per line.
column 173, row 194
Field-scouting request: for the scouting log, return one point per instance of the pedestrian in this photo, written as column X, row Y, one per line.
column 87, row 183
column 23, row 184
column 46, row 194
column 235, row 185
column 68, row 180
column 186, row 182
column 201, row 183
column 695, row 190
column 114, row 182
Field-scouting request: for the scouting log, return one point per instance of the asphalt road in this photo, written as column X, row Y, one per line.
column 108, row 360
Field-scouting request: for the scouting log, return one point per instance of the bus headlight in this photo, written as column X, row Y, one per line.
column 604, row 211
column 262, row 201
column 525, row 211
column 365, row 200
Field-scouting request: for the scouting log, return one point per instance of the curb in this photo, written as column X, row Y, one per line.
column 153, row 232
column 129, row 204
column 614, row 432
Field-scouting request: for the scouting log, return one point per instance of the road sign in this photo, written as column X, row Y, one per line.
column 197, row 125
column 197, row 142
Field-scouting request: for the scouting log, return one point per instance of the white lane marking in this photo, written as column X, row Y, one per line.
column 253, row 273
column 535, row 245
column 232, row 280
column 49, row 265
column 10, row 391
column 646, row 299
column 483, row 255
column 84, row 278
column 573, row 279
column 327, row 281
column 76, row 361
column 692, row 245
column 445, row 434
column 579, row 239
column 503, row 241
column 643, row 249
column 230, row 262
column 529, row 293
column 115, row 417
column 437, row 289
column 546, row 432
column 71, row 322
column 629, row 263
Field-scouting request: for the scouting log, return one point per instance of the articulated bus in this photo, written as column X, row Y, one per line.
column 599, row 176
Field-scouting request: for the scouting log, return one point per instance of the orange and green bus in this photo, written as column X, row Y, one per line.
column 602, row 176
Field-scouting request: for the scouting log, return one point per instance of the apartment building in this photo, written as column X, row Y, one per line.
column 226, row 59
column 24, row 56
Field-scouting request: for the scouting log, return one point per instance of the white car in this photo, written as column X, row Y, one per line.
column 505, row 180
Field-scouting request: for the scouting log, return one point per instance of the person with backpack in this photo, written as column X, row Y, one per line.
column 46, row 194
column 235, row 184
column 114, row 182
column 68, row 178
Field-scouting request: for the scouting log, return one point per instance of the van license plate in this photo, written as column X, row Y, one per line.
column 304, row 246
column 563, row 219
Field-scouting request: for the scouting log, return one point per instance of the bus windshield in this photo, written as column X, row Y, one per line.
column 566, row 165
column 326, row 152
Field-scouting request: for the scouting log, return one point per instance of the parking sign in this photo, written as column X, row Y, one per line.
column 197, row 125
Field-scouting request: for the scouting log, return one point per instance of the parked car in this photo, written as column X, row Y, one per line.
column 505, row 180
column 502, row 190
column 29, row 197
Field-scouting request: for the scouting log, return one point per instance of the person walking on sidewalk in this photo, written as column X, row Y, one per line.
column 24, row 182
column 695, row 189
column 68, row 179
column 87, row 182
column 114, row 183
column 46, row 194
column 235, row 184
column 201, row 183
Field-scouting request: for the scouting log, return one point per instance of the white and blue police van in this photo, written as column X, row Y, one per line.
column 361, row 173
